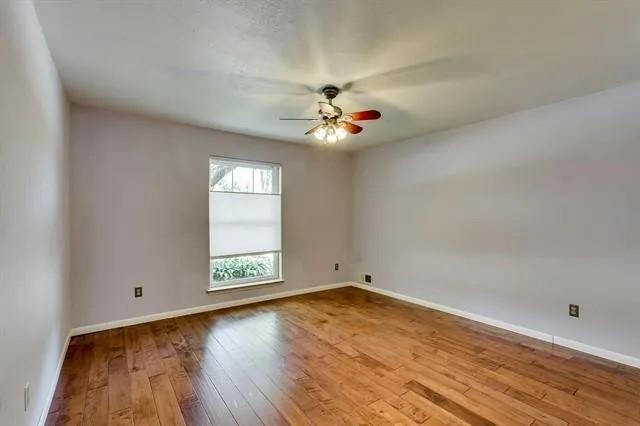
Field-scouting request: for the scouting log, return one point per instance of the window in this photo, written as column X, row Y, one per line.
column 244, row 223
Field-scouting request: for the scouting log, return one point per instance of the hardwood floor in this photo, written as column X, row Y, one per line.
column 343, row 356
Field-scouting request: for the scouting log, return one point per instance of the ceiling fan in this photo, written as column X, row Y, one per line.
column 334, row 125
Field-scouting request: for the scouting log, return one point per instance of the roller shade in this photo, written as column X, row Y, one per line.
column 243, row 223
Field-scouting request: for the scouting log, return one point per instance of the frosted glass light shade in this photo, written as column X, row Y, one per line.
column 242, row 223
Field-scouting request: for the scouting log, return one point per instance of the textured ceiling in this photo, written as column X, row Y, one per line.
column 427, row 65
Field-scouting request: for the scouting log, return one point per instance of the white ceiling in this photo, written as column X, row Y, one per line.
column 426, row 65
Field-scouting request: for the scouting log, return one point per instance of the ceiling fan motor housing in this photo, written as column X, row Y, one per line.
column 330, row 91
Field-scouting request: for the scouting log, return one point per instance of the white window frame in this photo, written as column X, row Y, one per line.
column 277, row 277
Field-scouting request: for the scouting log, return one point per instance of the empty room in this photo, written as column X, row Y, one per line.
column 287, row 212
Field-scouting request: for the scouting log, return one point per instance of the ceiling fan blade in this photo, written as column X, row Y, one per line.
column 354, row 129
column 437, row 70
column 371, row 114
column 261, row 85
column 298, row 119
column 313, row 129
column 246, row 83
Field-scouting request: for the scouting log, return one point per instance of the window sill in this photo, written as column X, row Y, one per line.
column 245, row 286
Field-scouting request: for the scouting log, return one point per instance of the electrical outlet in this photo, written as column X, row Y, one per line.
column 337, row 267
column 137, row 292
column 26, row 396
column 574, row 311
column 368, row 278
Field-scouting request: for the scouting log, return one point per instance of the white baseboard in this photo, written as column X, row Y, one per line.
column 599, row 352
column 561, row 341
column 52, row 389
column 205, row 308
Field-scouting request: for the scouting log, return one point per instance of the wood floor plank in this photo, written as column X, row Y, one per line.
column 178, row 341
column 52, row 419
column 338, row 357
column 96, row 408
column 133, row 348
column 327, row 411
column 322, row 415
column 341, row 396
column 194, row 413
column 252, row 394
column 260, row 366
column 390, row 413
column 151, row 357
column 70, row 393
column 235, row 401
column 119, row 385
column 144, row 407
column 190, row 405
column 167, row 406
column 212, row 402
column 432, row 410
column 161, row 338
column 121, row 418
column 179, row 379
column 448, row 405
column 503, row 402
column 578, row 405
column 98, row 372
column 416, row 413
column 549, row 408
column 116, row 343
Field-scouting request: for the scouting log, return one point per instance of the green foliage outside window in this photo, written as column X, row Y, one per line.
column 232, row 268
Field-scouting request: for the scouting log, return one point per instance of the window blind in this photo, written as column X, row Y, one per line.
column 243, row 223
column 244, row 208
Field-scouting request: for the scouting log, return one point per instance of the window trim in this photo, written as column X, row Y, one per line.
column 244, row 192
column 257, row 163
column 246, row 283
column 245, row 286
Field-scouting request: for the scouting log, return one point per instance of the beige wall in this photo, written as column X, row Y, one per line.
column 34, row 290
column 515, row 218
column 140, row 213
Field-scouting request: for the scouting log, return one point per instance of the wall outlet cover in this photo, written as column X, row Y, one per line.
column 574, row 310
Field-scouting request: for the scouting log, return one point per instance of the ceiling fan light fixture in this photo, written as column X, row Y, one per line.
column 330, row 133
column 320, row 133
column 332, row 136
